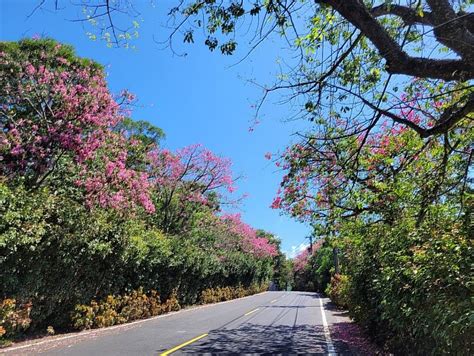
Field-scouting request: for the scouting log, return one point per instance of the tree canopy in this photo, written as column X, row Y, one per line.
column 353, row 57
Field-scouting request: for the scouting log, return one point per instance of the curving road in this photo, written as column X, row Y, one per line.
column 271, row 322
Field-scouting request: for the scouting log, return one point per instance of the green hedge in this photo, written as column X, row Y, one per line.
column 412, row 287
column 56, row 254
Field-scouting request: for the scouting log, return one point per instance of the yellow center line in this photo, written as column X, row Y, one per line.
column 170, row 351
column 252, row 311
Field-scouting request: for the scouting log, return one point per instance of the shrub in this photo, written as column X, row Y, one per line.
column 171, row 304
column 50, row 330
column 338, row 290
column 83, row 317
column 219, row 294
column 14, row 318
column 412, row 287
column 121, row 309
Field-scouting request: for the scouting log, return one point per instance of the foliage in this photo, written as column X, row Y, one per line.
column 142, row 131
column 282, row 266
column 338, row 290
column 220, row 294
column 63, row 243
column 93, row 209
column 121, row 309
column 14, row 318
column 312, row 271
column 413, row 285
column 401, row 217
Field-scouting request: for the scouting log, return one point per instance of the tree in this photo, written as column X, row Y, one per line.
column 57, row 115
column 83, row 190
column 148, row 134
column 186, row 180
column 394, row 164
column 400, row 218
column 251, row 241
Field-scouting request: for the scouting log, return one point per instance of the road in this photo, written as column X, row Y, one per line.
column 271, row 322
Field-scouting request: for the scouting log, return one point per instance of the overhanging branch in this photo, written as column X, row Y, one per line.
column 398, row 61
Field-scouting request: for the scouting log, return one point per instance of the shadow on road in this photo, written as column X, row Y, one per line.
column 263, row 339
column 287, row 332
column 253, row 338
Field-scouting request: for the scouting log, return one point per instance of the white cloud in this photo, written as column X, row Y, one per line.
column 296, row 249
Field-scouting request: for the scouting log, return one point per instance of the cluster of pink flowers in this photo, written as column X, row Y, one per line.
column 111, row 183
column 294, row 195
column 301, row 260
column 194, row 169
column 250, row 242
column 420, row 107
column 315, row 170
column 60, row 109
column 68, row 111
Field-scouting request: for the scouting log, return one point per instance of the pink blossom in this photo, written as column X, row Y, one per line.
column 207, row 172
column 250, row 242
column 30, row 70
column 78, row 122
column 276, row 204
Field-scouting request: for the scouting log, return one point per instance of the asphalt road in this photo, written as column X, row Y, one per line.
column 271, row 322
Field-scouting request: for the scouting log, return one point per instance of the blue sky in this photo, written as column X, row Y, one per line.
column 199, row 98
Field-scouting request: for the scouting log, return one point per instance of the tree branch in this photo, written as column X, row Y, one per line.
column 398, row 61
column 408, row 15
column 450, row 30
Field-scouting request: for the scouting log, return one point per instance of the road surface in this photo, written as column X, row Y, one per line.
column 271, row 322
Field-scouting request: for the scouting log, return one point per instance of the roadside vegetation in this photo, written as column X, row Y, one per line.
column 383, row 172
column 99, row 224
column 402, row 226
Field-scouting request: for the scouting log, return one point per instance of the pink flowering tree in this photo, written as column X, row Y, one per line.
column 110, row 178
column 188, row 180
column 301, row 261
column 246, row 238
column 57, row 119
column 375, row 173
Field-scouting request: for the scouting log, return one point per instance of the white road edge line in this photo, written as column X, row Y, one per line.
column 330, row 346
column 109, row 328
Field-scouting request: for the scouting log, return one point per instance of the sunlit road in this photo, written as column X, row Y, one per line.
column 271, row 322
